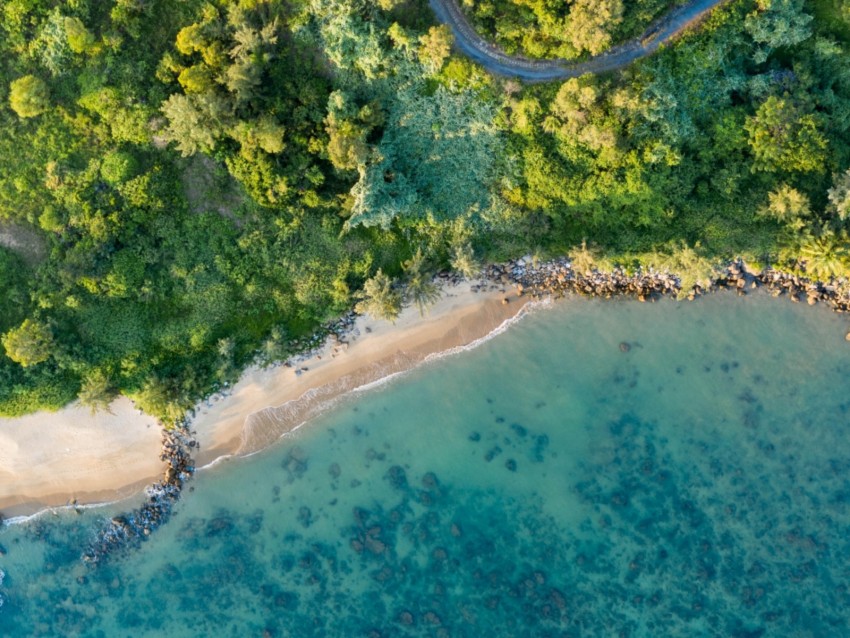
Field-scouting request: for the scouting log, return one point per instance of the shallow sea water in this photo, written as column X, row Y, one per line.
column 544, row 484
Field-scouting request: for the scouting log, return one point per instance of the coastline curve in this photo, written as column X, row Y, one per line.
column 659, row 33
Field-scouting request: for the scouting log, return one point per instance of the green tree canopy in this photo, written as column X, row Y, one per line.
column 435, row 46
column 592, row 23
column 785, row 138
column 97, row 391
column 778, row 23
column 786, row 204
column 380, row 298
column 80, row 39
column 28, row 96
column 839, row 196
column 420, row 286
column 29, row 344
column 118, row 166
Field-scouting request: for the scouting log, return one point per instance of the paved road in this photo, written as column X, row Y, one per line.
column 493, row 59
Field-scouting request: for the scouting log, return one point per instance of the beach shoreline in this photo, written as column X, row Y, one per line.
column 53, row 459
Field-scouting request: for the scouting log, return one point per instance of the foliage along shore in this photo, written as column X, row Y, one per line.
column 559, row 277
column 556, row 278
column 188, row 188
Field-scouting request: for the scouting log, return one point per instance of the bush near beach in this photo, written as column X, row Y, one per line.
column 202, row 181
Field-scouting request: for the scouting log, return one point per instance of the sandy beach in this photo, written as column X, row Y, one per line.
column 49, row 458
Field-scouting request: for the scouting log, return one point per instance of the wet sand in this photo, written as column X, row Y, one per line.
column 47, row 459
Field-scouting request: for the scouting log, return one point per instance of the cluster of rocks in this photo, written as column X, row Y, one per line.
column 556, row 278
column 834, row 294
column 129, row 530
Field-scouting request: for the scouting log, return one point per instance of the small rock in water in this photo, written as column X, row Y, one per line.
column 511, row 465
column 491, row 454
column 520, row 431
column 475, row 437
column 625, row 346
column 429, row 481
column 397, row 477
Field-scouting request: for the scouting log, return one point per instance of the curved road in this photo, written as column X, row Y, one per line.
column 493, row 59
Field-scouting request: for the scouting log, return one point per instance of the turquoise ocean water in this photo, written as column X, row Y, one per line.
column 547, row 483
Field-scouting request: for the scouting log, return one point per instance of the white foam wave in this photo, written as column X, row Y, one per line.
column 325, row 405
column 215, row 461
column 386, row 379
column 56, row 509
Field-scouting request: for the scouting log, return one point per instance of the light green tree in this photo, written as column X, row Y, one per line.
column 274, row 346
column 400, row 37
column 435, row 46
column 591, row 23
column 463, row 260
column 28, row 96
column 29, row 344
column 190, row 126
column 265, row 133
column 380, row 298
column 584, row 259
column 826, row 254
column 197, row 78
column 80, row 39
column 118, row 166
column 97, row 391
column 166, row 399
column 839, row 196
column 243, row 79
column 785, row 138
column 227, row 370
column 347, row 147
column 692, row 268
column 786, row 205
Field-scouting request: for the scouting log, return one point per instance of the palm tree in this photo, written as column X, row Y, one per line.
column 786, row 205
column 97, row 392
column 274, row 347
column 826, row 255
column 582, row 258
column 379, row 298
column 464, row 262
column 420, row 285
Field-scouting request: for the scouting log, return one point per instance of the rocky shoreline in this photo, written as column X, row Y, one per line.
column 557, row 278
column 129, row 530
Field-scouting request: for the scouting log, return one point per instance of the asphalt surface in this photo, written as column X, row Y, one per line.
column 496, row 61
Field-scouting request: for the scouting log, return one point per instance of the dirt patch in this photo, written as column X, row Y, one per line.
column 25, row 241
column 210, row 188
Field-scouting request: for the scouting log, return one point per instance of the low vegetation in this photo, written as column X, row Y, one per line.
column 210, row 181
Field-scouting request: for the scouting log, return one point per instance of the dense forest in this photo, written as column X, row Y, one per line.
column 568, row 30
column 188, row 187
